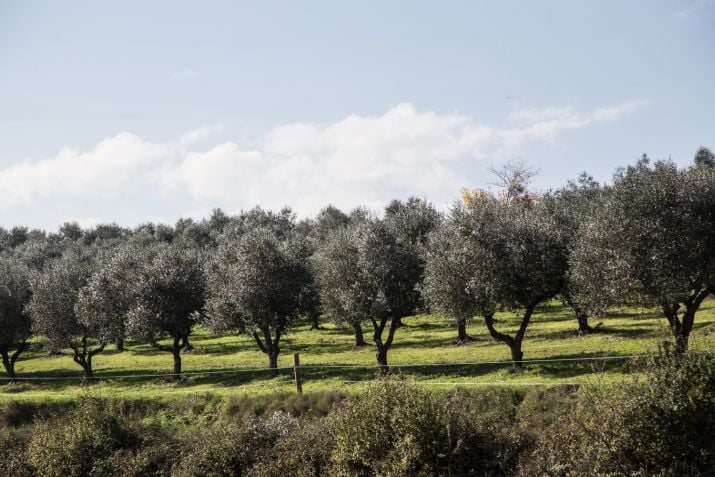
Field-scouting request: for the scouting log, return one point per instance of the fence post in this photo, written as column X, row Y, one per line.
column 296, row 371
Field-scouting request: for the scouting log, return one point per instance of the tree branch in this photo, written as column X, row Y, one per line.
column 489, row 321
column 260, row 344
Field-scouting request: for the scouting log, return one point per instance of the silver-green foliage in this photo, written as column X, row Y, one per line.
column 15, row 322
column 654, row 236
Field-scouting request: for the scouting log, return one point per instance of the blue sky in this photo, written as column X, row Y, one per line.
column 133, row 111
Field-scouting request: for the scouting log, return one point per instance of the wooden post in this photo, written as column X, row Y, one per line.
column 296, row 370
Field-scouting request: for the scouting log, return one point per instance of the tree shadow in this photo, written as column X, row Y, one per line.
column 629, row 332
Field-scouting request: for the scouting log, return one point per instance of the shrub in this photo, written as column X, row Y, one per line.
column 80, row 443
column 662, row 423
column 13, row 446
column 155, row 458
column 482, row 436
column 232, row 448
column 395, row 428
column 305, row 452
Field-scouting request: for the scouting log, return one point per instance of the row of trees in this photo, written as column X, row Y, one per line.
column 649, row 236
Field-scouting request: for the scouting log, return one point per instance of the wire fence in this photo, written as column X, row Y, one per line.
column 299, row 373
column 308, row 367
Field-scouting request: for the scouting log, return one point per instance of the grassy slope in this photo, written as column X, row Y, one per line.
column 425, row 339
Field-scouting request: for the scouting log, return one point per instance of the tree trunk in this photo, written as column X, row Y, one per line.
column 359, row 338
column 186, row 344
column 314, row 325
column 583, row 326
column 381, row 347
column 88, row 371
column 462, row 330
column 176, row 352
column 273, row 364
column 9, row 360
column 515, row 342
column 120, row 344
column 679, row 330
column 9, row 364
column 87, row 367
column 681, row 342
column 381, row 355
column 270, row 346
column 517, row 355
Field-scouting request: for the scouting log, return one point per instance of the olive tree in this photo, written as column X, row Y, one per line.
column 449, row 271
column 343, row 291
column 393, row 270
column 571, row 208
column 257, row 282
column 15, row 322
column 704, row 157
column 519, row 258
column 55, row 315
column 655, row 237
column 411, row 223
column 367, row 273
column 110, row 292
column 170, row 297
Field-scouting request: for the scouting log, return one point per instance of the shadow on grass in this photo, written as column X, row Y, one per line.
column 604, row 330
column 218, row 379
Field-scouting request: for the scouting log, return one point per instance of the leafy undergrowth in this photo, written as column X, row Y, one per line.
column 423, row 351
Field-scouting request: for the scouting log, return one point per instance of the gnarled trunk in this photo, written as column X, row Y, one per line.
column 359, row 338
column 176, row 353
column 8, row 360
column 273, row 364
column 381, row 348
column 681, row 329
column 582, row 318
column 517, row 355
column 83, row 355
column 514, row 343
column 120, row 344
column 186, row 344
column 270, row 346
column 462, row 336
column 8, row 364
column 381, row 355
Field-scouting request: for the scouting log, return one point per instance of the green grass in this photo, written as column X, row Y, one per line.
column 426, row 339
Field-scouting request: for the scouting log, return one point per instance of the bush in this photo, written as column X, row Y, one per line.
column 662, row 423
column 79, row 444
column 13, row 447
column 482, row 434
column 155, row 458
column 232, row 448
column 305, row 452
column 19, row 413
column 395, row 428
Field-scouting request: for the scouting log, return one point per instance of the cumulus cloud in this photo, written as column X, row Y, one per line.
column 112, row 163
column 199, row 134
column 357, row 160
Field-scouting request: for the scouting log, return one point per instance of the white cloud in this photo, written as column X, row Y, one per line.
column 112, row 163
column 185, row 74
column 199, row 134
column 357, row 160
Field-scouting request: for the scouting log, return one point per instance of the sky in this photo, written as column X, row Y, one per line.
column 134, row 111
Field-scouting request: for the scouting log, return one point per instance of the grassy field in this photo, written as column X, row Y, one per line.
column 235, row 365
